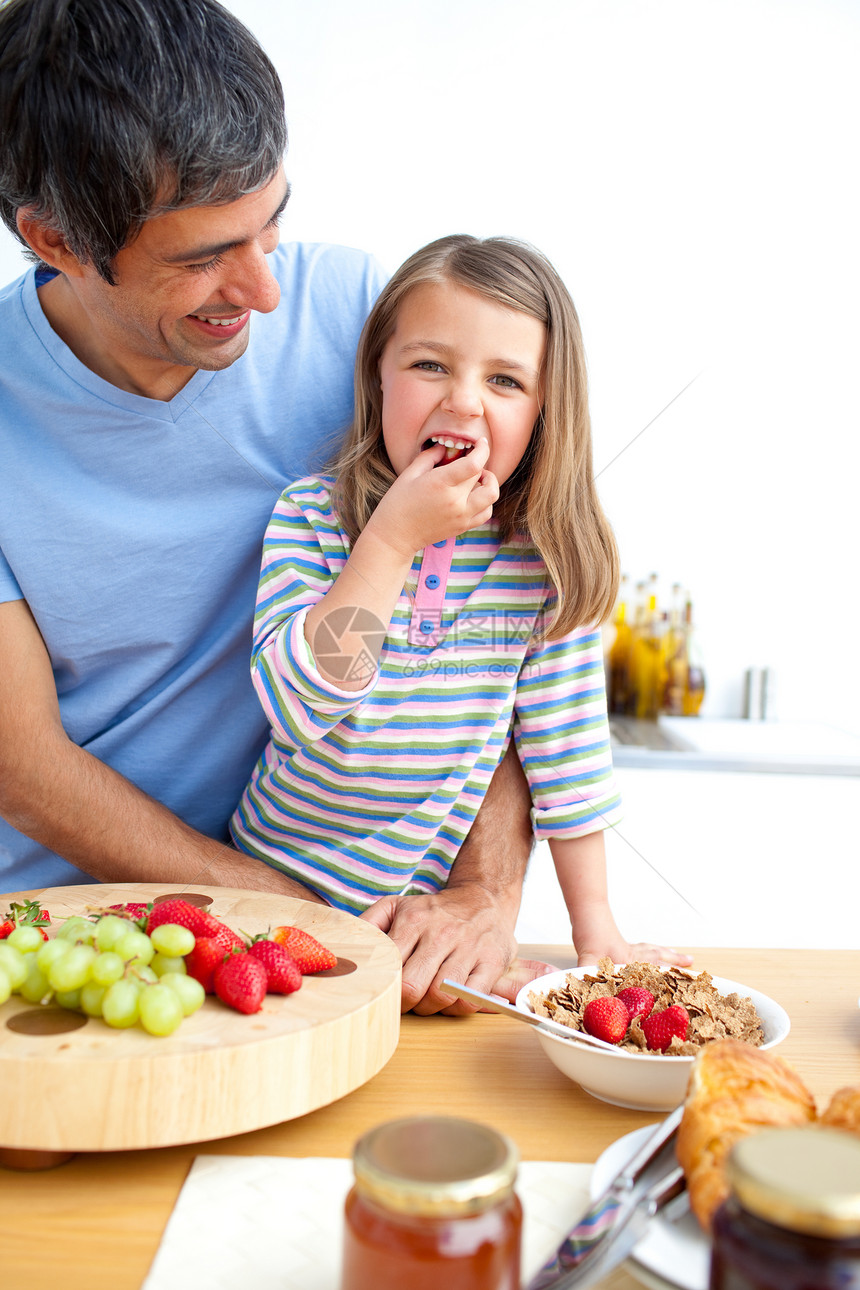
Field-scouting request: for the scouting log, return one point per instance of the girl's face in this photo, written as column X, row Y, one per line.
column 459, row 368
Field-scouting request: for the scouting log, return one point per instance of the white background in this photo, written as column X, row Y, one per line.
column 691, row 168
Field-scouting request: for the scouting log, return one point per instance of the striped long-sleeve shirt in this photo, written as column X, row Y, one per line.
column 361, row 794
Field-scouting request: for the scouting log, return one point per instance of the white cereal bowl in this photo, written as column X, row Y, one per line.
column 640, row 1081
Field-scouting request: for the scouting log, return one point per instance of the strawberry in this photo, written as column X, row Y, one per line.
column 28, row 914
column 310, row 956
column 662, row 1027
column 282, row 972
column 606, row 1018
column 637, row 1000
column 197, row 920
column 202, row 961
column 208, row 953
column 134, row 910
column 240, row 981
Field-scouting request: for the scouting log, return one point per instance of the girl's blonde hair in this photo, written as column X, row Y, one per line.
column 550, row 500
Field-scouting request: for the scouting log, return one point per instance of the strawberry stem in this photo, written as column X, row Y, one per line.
column 28, row 913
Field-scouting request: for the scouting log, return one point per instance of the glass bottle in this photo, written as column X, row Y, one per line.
column 433, row 1205
column 637, row 628
column 647, row 659
column 618, row 680
column 674, row 665
column 694, row 687
column 792, row 1219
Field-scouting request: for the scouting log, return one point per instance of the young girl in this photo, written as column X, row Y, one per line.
column 436, row 594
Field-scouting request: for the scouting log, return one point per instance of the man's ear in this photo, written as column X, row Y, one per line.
column 48, row 244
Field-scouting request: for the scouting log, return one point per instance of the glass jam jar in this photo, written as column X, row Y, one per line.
column 433, row 1206
column 792, row 1219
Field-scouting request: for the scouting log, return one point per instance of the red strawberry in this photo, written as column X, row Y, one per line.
column 208, row 953
column 310, row 956
column 637, row 1000
column 201, row 963
column 662, row 1027
column 240, row 981
column 281, row 971
column 197, row 920
column 606, row 1018
column 28, row 914
column 134, row 910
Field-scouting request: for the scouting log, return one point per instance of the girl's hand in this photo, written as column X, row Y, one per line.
column 623, row 952
column 430, row 502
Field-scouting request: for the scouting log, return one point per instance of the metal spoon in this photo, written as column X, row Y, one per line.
column 539, row 1023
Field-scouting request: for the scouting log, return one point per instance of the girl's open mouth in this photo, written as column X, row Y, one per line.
column 454, row 448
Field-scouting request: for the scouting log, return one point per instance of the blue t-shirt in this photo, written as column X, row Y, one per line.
column 133, row 529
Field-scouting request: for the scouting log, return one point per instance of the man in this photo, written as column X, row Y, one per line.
column 144, row 438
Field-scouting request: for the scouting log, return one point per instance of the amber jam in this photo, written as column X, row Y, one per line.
column 433, row 1206
column 792, row 1220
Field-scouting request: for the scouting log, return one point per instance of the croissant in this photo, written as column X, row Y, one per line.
column 843, row 1111
column 733, row 1090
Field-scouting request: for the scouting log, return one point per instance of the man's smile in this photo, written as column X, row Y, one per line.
column 221, row 326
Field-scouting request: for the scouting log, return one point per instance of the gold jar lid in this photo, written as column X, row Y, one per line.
column 806, row 1179
column 435, row 1166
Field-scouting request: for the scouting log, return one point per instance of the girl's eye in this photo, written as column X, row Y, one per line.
column 206, row 266
column 427, row 365
column 507, row 382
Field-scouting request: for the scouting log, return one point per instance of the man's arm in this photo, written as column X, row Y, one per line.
column 466, row 931
column 72, row 803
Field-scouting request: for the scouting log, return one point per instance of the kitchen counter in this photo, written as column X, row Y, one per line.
column 764, row 747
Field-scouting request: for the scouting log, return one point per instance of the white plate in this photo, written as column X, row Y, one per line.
column 671, row 1255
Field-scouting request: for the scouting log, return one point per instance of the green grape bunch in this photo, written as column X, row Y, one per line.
column 105, row 967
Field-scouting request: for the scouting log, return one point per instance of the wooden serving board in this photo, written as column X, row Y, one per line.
column 95, row 1089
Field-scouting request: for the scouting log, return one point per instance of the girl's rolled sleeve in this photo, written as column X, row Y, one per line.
column 561, row 731
column 300, row 703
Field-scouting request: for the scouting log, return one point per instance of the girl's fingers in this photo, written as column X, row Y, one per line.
column 482, row 499
column 647, row 953
column 428, row 459
column 430, row 489
column 489, row 485
column 479, row 454
column 465, row 468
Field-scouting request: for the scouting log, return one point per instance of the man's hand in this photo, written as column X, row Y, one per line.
column 456, row 933
column 461, row 932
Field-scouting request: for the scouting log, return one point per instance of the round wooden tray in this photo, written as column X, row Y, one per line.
column 95, row 1089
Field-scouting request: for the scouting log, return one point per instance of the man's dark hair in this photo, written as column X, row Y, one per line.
column 112, row 111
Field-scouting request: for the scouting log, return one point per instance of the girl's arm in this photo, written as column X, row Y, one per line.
column 580, row 864
column 562, row 737
column 310, row 588
column 372, row 580
column 427, row 503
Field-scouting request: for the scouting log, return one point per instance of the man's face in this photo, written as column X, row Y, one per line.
column 184, row 292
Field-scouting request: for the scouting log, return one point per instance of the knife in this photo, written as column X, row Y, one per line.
column 617, row 1219
column 619, row 1240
